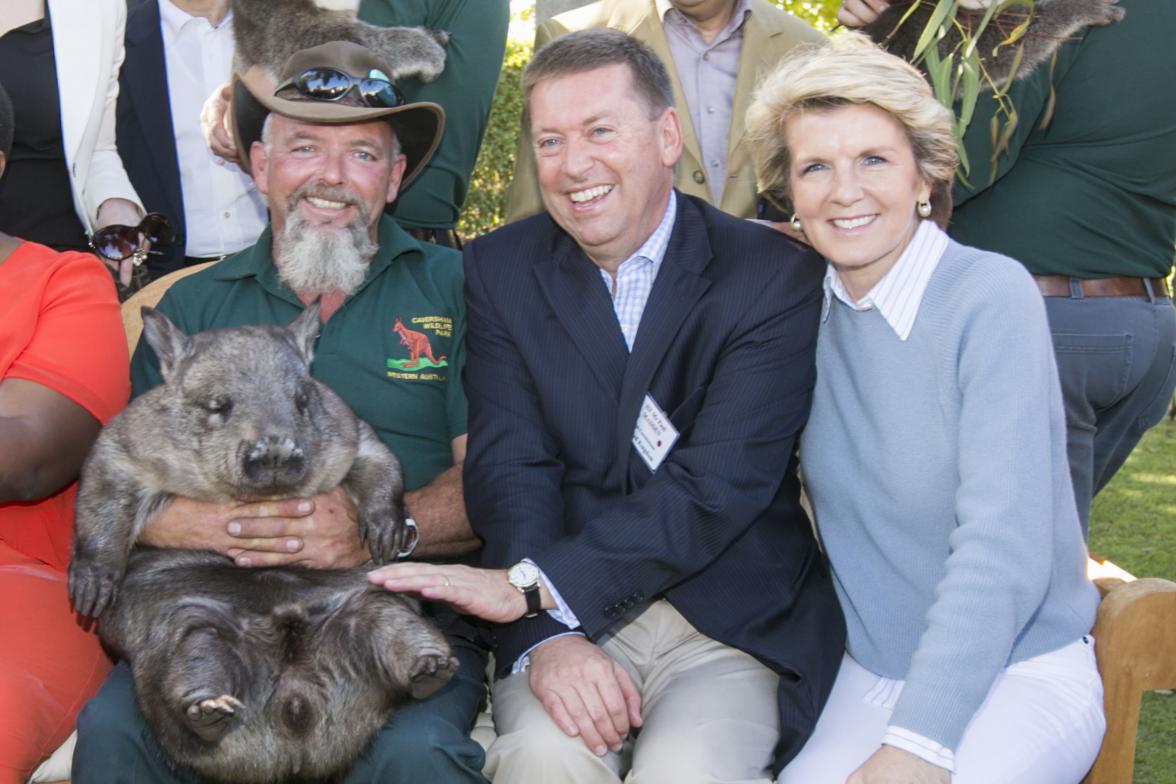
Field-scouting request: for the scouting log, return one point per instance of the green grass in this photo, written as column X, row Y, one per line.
column 1133, row 523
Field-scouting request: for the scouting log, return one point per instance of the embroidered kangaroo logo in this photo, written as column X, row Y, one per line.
column 418, row 344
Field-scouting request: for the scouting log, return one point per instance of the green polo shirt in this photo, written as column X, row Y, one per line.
column 416, row 408
column 477, row 42
column 1088, row 191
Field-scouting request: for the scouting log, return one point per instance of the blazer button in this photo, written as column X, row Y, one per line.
column 699, row 177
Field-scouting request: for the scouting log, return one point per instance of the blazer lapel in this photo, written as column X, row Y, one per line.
column 580, row 301
column 147, row 90
column 678, row 287
column 756, row 57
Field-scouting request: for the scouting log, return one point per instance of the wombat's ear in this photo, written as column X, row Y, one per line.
column 169, row 342
column 305, row 330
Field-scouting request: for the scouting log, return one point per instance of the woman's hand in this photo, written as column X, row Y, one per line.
column 216, row 123
column 889, row 765
column 120, row 212
column 859, row 13
column 784, row 227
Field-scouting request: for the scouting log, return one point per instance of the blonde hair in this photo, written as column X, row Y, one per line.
column 850, row 69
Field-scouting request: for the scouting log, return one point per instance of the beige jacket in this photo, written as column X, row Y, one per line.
column 768, row 35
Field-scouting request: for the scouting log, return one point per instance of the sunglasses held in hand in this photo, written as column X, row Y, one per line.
column 117, row 242
column 376, row 91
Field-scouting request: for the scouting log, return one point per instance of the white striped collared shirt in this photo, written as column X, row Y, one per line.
column 636, row 274
column 898, row 295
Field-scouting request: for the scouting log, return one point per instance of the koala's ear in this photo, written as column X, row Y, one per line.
column 169, row 343
column 305, row 330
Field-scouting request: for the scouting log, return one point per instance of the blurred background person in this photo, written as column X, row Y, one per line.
column 178, row 53
column 935, row 454
column 63, row 373
column 715, row 50
column 59, row 61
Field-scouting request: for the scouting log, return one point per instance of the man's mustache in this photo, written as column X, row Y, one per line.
column 339, row 193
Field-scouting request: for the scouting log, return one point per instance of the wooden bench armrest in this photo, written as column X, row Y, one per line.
column 1135, row 642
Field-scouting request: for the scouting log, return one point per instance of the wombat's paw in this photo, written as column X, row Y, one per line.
column 383, row 532
column 430, row 672
column 92, row 586
column 210, row 718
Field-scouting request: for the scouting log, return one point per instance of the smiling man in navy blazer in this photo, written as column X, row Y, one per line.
column 639, row 366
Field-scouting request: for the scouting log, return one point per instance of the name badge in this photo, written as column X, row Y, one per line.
column 654, row 434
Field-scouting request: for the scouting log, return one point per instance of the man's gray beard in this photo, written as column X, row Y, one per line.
column 316, row 261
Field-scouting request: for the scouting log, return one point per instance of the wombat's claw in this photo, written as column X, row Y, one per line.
column 210, row 718
column 430, row 672
column 382, row 535
column 92, row 587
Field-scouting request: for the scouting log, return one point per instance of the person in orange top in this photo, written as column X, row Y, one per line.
column 63, row 373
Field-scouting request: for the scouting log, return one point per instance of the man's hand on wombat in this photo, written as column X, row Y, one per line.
column 328, row 535
column 318, row 532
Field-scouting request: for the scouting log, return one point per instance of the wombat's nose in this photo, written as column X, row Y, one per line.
column 274, row 460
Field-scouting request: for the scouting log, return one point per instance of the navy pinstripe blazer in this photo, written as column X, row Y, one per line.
column 726, row 347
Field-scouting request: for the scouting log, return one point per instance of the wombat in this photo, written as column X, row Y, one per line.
column 1050, row 23
column 267, row 32
column 263, row 674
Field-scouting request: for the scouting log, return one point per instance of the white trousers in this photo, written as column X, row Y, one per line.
column 709, row 710
column 1041, row 723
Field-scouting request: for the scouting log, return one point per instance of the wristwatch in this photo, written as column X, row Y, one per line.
column 525, row 576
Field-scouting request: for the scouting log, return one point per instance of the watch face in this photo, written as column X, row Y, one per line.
column 523, row 575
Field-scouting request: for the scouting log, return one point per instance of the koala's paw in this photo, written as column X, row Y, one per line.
column 93, row 586
column 412, row 51
column 1065, row 17
column 1106, row 11
column 430, row 672
column 211, row 717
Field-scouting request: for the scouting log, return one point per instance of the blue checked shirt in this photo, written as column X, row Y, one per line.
column 636, row 274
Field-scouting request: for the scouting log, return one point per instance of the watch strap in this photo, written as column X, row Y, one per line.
column 534, row 600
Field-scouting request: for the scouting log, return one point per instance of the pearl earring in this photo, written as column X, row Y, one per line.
column 924, row 209
column 796, row 224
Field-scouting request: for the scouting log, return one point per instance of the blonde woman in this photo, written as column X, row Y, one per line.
column 935, row 453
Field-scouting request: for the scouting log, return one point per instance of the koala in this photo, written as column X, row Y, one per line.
column 267, row 32
column 1052, row 21
column 248, row 674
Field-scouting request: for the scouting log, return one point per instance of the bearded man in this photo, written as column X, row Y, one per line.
column 329, row 149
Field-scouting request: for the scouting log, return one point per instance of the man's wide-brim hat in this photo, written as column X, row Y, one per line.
column 418, row 126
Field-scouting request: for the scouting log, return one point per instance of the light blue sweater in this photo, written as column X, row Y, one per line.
column 937, row 470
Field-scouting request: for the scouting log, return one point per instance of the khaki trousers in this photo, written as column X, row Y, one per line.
column 709, row 711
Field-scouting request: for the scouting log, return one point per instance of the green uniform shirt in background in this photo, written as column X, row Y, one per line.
column 477, row 42
column 416, row 408
column 1093, row 194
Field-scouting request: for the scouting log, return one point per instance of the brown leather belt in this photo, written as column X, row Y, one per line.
column 1059, row 286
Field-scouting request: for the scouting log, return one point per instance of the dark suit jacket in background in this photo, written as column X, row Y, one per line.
column 726, row 347
column 146, row 139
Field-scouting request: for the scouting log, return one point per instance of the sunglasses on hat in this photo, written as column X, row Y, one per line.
column 117, row 242
column 331, row 84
